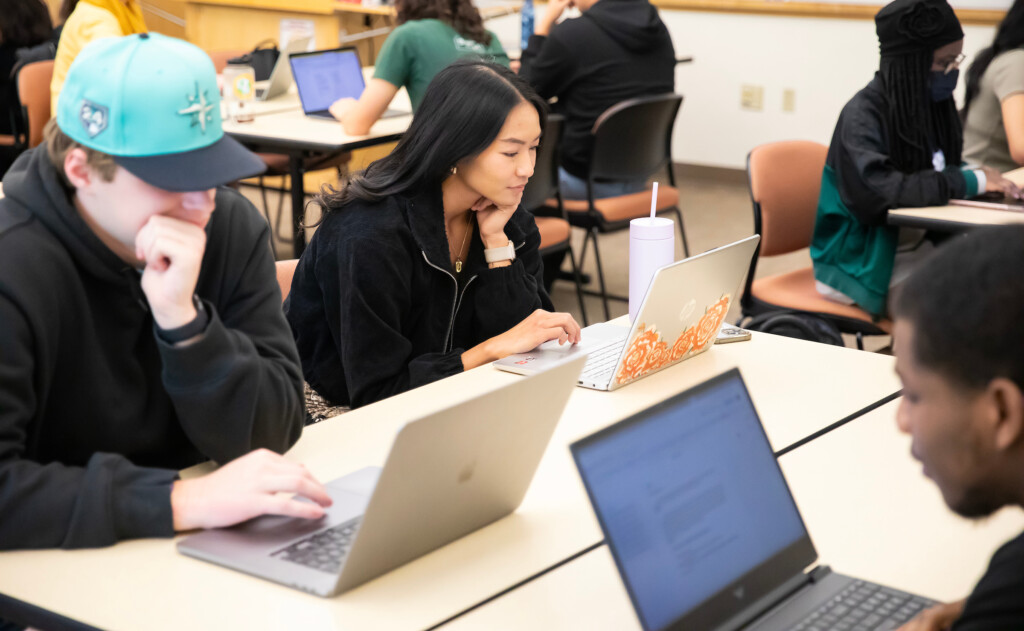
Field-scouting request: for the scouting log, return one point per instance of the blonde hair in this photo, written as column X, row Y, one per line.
column 58, row 145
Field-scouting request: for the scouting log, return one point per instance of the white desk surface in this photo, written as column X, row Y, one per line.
column 282, row 119
column 798, row 387
column 870, row 513
column 962, row 215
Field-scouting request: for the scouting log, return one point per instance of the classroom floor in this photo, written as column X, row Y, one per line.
column 716, row 211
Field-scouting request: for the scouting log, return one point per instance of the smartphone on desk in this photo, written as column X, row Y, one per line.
column 728, row 334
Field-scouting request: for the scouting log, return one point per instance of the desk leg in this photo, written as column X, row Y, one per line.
column 298, row 186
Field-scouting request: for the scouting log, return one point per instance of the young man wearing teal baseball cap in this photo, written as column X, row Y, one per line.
column 141, row 327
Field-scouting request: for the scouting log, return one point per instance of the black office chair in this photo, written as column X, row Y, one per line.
column 632, row 141
column 555, row 231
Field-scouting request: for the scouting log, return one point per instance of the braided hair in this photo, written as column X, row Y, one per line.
column 460, row 14
column 915, row 120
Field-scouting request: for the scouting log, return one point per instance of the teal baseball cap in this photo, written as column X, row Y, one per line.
column 152, row 103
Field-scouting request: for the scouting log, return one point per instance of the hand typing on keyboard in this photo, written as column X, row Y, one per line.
column 244, row 488
column 937, row 618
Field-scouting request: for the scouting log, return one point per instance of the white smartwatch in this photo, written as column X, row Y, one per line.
column 504, row 253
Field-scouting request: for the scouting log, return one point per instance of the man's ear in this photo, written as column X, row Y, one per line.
column 77, row 169
column 1007, row 407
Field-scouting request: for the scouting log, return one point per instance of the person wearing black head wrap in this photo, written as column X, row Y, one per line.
column 897, row 144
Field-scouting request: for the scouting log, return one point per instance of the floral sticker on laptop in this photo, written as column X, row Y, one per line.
column 648, row 352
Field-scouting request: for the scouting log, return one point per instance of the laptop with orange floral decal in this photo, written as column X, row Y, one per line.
column 680, row 317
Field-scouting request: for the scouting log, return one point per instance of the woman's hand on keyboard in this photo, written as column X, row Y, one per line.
column 259, row 483
column 937, row 618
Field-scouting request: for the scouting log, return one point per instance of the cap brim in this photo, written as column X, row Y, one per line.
column 220, row 163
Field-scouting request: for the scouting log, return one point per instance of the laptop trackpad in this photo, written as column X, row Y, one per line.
column 360, row 482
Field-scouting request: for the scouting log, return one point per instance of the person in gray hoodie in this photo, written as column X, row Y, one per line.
column 617, row 50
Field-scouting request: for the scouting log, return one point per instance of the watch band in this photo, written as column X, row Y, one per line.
column 504, row 253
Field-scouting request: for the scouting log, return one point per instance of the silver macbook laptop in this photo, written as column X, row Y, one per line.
column 704, row 530
column 281, row 76
column 447, row 474
column 324, row 76
column 680, row 317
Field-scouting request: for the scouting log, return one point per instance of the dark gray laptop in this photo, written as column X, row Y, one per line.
column 324, row 76
column 448, row 474
column 704, row 530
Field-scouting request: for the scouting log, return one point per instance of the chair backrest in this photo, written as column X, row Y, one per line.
column 543, row 185
column 285, row 272
column 633, row 139
column 785, row 181
column 34, row 94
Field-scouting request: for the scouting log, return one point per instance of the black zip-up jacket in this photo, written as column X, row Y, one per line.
column 376, row 310
column 617, row 50
column 96, row 412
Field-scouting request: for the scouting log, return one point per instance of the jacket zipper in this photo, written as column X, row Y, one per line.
column 458, row 297
column 455, row 299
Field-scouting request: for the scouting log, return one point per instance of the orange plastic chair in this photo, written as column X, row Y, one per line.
column 632, row 140
column 285, row 273
column 34, row 93
column 785, row 181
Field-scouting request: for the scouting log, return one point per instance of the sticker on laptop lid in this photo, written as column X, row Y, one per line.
column 648, row 352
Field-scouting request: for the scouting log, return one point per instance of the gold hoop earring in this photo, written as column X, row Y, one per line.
column 455, row 170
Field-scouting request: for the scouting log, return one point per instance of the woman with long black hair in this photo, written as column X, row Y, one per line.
column 430, row 35
column 425, row 265
column 994, row 102
column 898, row 143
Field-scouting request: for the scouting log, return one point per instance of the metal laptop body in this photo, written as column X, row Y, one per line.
column 448, row 474
column 681, row 314
column 324, row 76
column 703, row 528
column 281, row 76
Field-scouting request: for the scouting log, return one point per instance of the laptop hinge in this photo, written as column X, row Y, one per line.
column 773, row 598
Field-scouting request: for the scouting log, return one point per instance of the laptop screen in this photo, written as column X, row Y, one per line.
column 326, row 76
column 691, row 500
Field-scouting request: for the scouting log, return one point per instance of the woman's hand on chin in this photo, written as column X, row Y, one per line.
column 491, row 218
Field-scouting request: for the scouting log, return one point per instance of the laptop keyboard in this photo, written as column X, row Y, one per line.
column 601, row 362
column 323, row 550
column 864, row 606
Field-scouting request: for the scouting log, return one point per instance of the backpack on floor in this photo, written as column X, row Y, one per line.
column 795, row 324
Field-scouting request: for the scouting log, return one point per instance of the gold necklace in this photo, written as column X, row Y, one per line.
column 465, row 237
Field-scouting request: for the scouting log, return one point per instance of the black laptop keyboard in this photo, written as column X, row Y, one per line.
column 865, row 606
column 323, row 550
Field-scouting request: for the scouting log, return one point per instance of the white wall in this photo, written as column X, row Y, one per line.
column 824, row 60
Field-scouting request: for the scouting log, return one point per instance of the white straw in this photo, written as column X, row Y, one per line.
column 654, row 199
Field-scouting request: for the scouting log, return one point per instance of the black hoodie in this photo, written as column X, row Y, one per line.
column 97, row 413
column 618, row 50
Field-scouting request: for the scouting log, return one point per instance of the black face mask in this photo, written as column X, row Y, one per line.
column 942, row 84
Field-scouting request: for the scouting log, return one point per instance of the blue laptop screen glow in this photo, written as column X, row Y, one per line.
column 323, row 79
column 691, row 499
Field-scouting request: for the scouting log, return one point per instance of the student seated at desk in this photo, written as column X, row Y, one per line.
column 141, row 330
column 897, row 144
column 91, row 20
column 430, row 35
column 958, row 340
column 617, row 50
column 425, row 264
column 994, row 101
